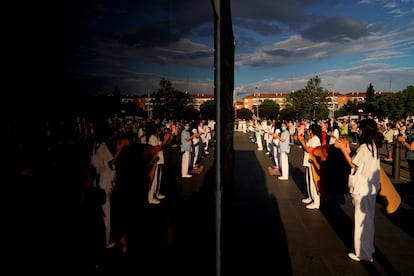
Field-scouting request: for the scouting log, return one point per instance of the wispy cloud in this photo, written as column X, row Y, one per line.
column 384, row 55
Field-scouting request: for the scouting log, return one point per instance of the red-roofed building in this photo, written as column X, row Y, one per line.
column 257, row 98
column 199, row 99
column 335, row 100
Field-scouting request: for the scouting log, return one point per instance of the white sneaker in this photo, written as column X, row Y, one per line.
column 312, row 206
column 283, row 178
column 187, row 176
column 160, row 196
column 358, row 259
column 307, row 200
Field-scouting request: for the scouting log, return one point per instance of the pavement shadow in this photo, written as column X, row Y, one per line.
column 193, row 250
column 332, row 206
column 253, row 238
column 404, row 215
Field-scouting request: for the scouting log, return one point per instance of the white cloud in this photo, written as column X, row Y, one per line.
column 390, row 5
column 381, row 55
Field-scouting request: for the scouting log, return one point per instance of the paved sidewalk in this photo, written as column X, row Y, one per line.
column 268, row 230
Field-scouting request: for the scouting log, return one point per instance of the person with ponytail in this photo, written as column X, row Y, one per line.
column 365, row 163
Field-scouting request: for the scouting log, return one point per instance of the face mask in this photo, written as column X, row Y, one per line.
column 283, row 128
column 187, row 127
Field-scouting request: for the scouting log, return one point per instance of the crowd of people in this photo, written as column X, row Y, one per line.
column 111, row 174
column 354, row 144
column 389, row 132
column 130, row 162
column 126, row 159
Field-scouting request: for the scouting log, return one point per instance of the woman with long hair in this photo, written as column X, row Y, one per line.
column 365, row 164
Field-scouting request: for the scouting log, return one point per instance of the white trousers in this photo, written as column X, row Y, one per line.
column 284, row 164
column 313, row 192
column 155, row 185
column 196, row 153
column 259, row 142
column 185, row 163
column 276, row 155
column 364, row 225
column 106, row 208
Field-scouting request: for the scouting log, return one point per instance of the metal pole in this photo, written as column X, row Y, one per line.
column 396, row 154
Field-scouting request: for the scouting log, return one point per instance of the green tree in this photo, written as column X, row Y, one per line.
column 169, row 103
column 288, row 113
column 298, row 104
column 309, row 102
column 351, row 107
column 268, row 109
column 369, row 106
column 190, row 113
column 207, row 110
column 131, row 108
column 244, row 113
column 407, row 97
column 396, row 105
column 370, row 94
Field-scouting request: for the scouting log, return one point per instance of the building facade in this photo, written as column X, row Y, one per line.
column 335, row 100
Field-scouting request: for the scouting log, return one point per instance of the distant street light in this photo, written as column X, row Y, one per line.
column 257, row 102
column 333, row 96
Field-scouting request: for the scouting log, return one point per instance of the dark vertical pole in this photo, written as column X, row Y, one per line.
column 223, row 96
column 396, row 154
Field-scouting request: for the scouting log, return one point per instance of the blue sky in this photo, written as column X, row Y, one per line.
column 280, row 45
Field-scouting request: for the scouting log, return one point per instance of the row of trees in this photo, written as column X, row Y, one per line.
column 396, row 105
column 306, row 103
column 166, row 102
column 170, row 103
column 311, row 102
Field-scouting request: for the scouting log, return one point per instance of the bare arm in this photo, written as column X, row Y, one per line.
column 301, row 140
column 276, row 136
column 405, row 144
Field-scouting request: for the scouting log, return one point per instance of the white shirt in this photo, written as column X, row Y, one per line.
column 153, row 140
column 368, row 167
column 311, row 143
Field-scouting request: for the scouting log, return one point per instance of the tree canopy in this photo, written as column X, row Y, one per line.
column 309, row 102
column 396, row 105
column 170, row 103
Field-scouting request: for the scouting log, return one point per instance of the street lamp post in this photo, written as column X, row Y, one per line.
column 333, row 96
column 333, row 108
column 257, row 102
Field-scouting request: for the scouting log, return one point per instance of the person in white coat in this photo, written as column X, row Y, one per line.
column 284, row 149
column 186, row 139
column 154, row 195
column 314, row 133
column 101, row 160
column 365, row 163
